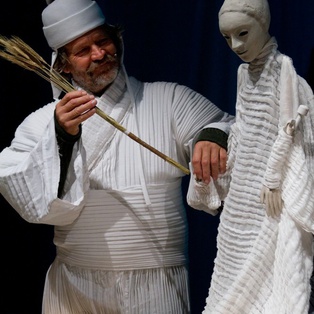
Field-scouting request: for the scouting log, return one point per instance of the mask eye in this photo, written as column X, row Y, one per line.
column 244, row 33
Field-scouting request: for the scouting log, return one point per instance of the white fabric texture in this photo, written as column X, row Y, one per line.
column 123, row 235
column 263, row 265
column 288, row 104
column 132, row 291
column 206, row 197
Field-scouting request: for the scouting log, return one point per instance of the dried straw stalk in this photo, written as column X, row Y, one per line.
column 18, row 52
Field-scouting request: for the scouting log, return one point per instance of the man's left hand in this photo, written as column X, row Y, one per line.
column 209, row 160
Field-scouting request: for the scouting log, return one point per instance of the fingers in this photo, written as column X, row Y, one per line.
column 74, row 108
column 213, row 165
column 201, row 162
column 273, row 201
column 270, row 205
column 209, row 160
column 278, row 204
column 222, row 161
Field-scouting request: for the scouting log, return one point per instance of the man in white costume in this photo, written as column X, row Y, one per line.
column 117, row 208
column 264, row 258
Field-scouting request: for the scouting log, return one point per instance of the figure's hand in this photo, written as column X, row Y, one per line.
column 209, row 159
column 74, row 108
column 273, row 201
column 290, row 127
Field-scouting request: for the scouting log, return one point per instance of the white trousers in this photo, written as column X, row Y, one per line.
column 74, row 290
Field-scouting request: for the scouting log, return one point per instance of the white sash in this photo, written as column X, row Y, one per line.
column 116, row 231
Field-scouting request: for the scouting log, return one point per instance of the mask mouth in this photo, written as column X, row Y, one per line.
column 241, row 54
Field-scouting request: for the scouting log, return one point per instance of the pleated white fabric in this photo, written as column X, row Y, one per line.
column 77, row 290
column 125, row 227
column 263, row 265
column 120, row 227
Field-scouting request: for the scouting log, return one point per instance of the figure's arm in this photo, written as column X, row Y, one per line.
column 271, row 190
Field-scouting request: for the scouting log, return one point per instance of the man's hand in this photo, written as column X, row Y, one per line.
column 74, row 108
column 209, row 160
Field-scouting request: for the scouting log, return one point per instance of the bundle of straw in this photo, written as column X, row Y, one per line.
column 18, row 52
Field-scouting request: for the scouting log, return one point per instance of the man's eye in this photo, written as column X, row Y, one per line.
column 226, row 37
column 104, row 42
column 244, row 33
column 82, row 52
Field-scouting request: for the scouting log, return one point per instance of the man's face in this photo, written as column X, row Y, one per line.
column 244, row 34
column 92, row 60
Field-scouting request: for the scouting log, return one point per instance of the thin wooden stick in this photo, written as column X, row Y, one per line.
column 138, row 140
column 18, row 52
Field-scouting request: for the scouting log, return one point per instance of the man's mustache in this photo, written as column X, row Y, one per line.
column 107, row 59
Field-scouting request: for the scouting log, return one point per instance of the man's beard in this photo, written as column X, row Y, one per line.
column 98, row 76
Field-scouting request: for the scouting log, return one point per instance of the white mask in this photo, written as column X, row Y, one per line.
column 244, row 34
column 245, row 24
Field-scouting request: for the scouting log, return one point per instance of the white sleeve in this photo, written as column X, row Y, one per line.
column 30, row 172
column 226, row 120
column 193, row 113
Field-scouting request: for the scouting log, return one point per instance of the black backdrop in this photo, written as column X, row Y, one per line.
column 171, row 40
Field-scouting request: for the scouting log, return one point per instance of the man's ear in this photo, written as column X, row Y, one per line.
column 66, row 69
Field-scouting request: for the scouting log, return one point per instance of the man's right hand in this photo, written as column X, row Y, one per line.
column 74, row 108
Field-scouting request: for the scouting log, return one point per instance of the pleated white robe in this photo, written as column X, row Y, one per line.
column 263, row 265
column 120, row 228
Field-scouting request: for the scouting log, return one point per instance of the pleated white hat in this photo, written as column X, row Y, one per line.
column 66, row 20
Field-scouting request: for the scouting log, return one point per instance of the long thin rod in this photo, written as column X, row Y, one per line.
column 138, row 140
column 18, row 52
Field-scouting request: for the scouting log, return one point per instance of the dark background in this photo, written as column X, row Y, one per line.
column 170, row 40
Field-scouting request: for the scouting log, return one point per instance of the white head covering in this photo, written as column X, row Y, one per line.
column 258, row 9
column 66, row 20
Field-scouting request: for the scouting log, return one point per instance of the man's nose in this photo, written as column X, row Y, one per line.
column 97, row 52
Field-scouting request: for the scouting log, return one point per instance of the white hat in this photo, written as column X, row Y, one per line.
column 258, row 9
column 66, row 20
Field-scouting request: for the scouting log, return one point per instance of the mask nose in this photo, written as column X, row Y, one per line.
column 236, row 44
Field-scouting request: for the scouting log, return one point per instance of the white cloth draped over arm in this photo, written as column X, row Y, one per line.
column 298, row 187
column 288, row 105
column 289, row 155
column 30, row 173
column 207, row 197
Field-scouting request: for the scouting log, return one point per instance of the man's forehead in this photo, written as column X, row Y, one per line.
column 91, row 35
